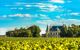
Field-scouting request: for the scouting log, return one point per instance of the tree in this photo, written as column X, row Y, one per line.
column 78, row 34
column 27, row 33
column 72, row 31
column 22, row 32
column 63, row 31
column 75, row 29
column 69, row 33
column 35, row 30
column 10, row 33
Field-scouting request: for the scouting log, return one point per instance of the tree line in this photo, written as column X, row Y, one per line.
column 70, row 31
column 32, row 31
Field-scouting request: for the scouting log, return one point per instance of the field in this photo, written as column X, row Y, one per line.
column 39, row 43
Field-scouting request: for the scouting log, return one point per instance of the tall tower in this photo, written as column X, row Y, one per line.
column 47, row 29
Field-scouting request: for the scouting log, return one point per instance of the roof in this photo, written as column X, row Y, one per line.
column 55, row 28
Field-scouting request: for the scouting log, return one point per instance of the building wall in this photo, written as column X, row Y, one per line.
column 54, row 34
column 53, row 31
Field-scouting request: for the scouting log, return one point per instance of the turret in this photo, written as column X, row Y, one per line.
column 47, row 29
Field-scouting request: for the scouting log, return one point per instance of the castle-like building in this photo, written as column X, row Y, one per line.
column 53, row 31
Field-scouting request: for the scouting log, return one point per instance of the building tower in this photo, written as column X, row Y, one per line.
column 47, row 30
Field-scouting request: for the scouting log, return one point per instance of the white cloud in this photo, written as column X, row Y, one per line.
column 57, row 1
column 14, row 8
column 42, row 31
column 73, row 21
column 47, row 7
column 52, row 7
column 43, row 6
column 27, row 15
column 75, row 13
column 28, row 5
column 14, row 15
column 59, row 22
column 68, row 21
column 44, row 22
column 4, row 30
column 19, row 15
column 42, row 16
column 58, row 17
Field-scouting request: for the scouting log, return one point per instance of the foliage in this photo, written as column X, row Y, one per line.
column 70, row 31
column 35, row 30
column 67, row 31
column 25, row 32
column 63, row 31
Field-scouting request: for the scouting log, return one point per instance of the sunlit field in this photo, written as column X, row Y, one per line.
column 39, row 43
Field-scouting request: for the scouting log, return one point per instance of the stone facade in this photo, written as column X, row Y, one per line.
column 53, row 31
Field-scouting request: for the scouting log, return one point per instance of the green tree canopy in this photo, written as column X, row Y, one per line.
column 35, row 30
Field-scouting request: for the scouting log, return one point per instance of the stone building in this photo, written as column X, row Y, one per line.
column 53, row 31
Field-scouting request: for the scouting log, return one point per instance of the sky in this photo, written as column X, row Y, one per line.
column 24, row 13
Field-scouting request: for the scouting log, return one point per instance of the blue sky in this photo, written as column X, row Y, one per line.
column 24, row 13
